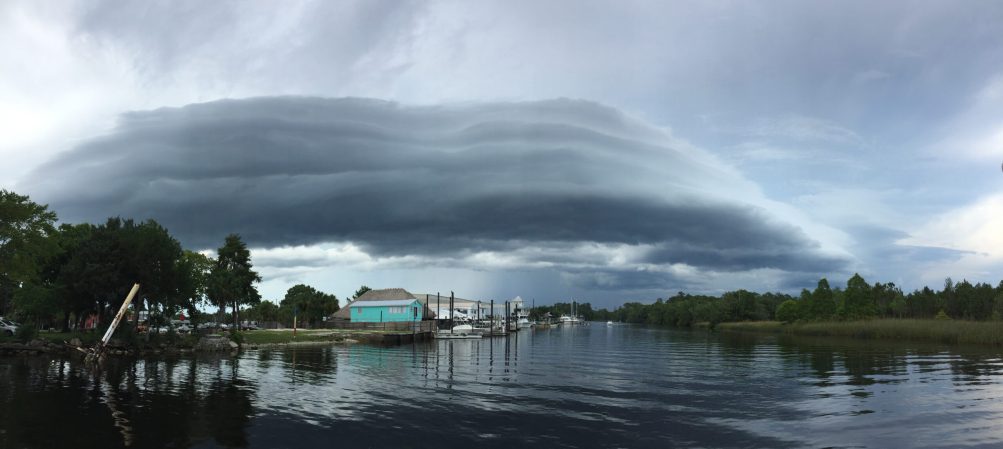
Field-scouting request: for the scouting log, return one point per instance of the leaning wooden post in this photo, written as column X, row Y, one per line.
column 114, row 323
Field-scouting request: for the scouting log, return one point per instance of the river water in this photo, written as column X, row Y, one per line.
column 596, row 386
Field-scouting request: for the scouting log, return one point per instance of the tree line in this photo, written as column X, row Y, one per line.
column 857, row 300
column 59, row 276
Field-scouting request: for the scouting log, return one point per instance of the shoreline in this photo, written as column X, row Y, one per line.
column 309, row 343
column 987, row 333
column 67, row 344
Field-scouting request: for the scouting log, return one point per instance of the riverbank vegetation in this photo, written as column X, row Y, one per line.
column 932, row 330
column 857, row 301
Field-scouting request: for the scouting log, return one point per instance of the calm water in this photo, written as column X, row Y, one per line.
column 621, row 386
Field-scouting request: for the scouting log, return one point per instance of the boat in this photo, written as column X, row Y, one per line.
column 568, row 320
column 609, row 323
column 460, row 332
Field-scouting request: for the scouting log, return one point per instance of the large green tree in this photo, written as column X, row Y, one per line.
column 262, row 311
column 822, row 305
column 110, row 258
column 25, row 228
column 56, row 274
column 195, row 269
column 151, row 257
column 858, row 299
column 231, row 282
column 311, row 304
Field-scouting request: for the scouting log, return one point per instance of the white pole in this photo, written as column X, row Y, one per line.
column 118, row 317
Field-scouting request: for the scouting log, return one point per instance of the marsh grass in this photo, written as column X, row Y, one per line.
column 941, row 331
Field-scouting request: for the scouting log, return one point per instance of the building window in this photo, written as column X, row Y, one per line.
column 397, row 309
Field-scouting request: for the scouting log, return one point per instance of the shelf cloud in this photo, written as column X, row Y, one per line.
column 451, row 182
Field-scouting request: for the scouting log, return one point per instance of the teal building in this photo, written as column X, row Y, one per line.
column 384, row 306
column 386, row 311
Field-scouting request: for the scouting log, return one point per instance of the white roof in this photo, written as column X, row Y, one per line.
column 444, row 313
column 384, row 303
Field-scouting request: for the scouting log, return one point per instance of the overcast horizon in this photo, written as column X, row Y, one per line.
column 600, row 151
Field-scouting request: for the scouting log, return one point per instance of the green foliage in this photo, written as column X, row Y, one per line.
column 25, row 243
column 940, row 331
column 231, row 281
column 361, row 291
column 237, row 337
column 312, row 305
column 36, row 303
column 126, row 334
column 858, row 302
column 789, row 311
column 26, row 333
column 822, row 304
column 262, row 311
column 194, row 269
column 101, row 264
column 171, row 336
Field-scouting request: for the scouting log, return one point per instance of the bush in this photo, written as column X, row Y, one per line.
column 788, row 311
column 237, row 337
column 26, row 333
column 126, row 334
column 941, row 315
column 171, row 336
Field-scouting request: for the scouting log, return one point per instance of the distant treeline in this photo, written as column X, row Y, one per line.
column 858, row 300
column 583, row 310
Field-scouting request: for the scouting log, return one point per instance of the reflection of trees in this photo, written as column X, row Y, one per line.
column 976, row 369
column 860, row 360
column 310, row 365
column 163, row 403
column 227, row 411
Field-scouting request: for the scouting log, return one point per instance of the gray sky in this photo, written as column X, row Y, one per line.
column 608, row 151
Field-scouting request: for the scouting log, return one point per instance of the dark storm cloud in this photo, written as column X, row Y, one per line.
column 434, row 180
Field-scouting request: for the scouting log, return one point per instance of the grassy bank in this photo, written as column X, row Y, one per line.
column 940, row 331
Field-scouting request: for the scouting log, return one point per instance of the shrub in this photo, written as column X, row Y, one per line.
column 237, row 337
column 26, row 333
column 126, row 334
column 788, row 311
column 170, row 337
column 941, row 315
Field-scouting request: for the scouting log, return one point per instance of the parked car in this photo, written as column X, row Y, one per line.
column 249, row 325
column 8, row 327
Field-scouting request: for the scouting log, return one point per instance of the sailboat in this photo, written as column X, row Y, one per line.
column 570, row 320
